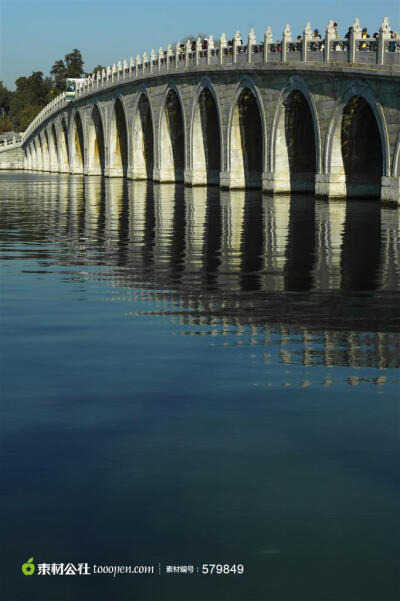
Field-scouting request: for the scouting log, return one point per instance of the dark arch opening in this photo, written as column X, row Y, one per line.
column 96, row 144
column 144, row 141
column 206, row 137
column 174, row 121
column 65, row 140
column 300, row 143
column 78, row 143
column 118, row 141
column 246, row 140
column 54, row 143
column 361, row 147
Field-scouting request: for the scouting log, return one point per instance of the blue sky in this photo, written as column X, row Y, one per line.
column 33, row 33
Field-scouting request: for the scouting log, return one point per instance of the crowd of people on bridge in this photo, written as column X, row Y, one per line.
column 317, row 42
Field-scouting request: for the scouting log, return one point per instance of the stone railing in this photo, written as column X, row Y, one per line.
column 383, row 50
column 10, row 143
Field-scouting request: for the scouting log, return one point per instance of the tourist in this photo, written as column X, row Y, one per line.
column 364, row 35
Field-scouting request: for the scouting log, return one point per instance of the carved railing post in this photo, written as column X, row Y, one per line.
column 98, row 75
column 354, row 37
column 197, row 51
column 307, row 37
column 119, row 67
column 113, row 72
column 144, row 61
column 267, row 40
column 168, row 55
column 177, row 52
column 251, row 41
column 286, row 37
column 222, row 46
column 160, row 57
column 210, row 48
column 125, row 67
column 236, row 43
column 137, row 65
column 384, row 34
column 152, row 59
column 188, row 48
column 131, row 66
column 330, row 35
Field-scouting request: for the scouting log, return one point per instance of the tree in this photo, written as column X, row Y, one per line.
column 71, row 66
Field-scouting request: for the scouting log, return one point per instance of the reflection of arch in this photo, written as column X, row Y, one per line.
column 246, row 137
column 143, row 139
column 63, row 147
column 53, row 149
column 118, row 141
column 77, row 144
column 295, row 146
column 96, row 150
column 205, row 136
column 358, row 127
column 171, row 144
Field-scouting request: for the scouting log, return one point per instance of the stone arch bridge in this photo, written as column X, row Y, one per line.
column 317, row 116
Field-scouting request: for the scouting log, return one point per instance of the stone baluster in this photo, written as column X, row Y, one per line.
column 210, row 48
column 286, row 37
column 103, row 77
column 330, row 35
column 169, row 54
column 131, row 66
column 222, row 45
column 177, row 53
column 197, row 51
column 384, row 35
column 267, row 40
column 354, row 37
column 307, row 37
column 144, row 61
column 160, row 57
column 98, row 76
column 119, row 69
column 188, row 47
column 125, row 67
column 251, row 41
column 137, row 65
column 236, row 43
column 113, row 72
column 152, row 59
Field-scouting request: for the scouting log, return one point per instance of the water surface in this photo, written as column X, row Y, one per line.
column 195, row 376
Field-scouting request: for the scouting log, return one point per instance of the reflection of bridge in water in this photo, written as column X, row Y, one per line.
column 262, row 268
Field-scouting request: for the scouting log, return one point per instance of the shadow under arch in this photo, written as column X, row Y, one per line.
column 246, row 140
column 172, row 139
column 205, row 137
column 118, row 141
column 96, row 149
column 77, row 144
column 143, row 139
column 63, row 147
column 54, row 148
column 357, row 150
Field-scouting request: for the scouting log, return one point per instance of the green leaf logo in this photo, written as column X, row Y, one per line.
column 28, row 568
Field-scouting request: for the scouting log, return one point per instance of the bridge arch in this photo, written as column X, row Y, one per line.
column 63, row 146
column 171, row 137
column 357, row 146
column 295, row 144
column 34, row 155
column 96, row 147
column 77, row 145
column 46, row 150
column 118, row 142
column 39, row 152
column 396, row 158
column 205, row 135
column 53, row 149
column 143, row 137
column 246, row 137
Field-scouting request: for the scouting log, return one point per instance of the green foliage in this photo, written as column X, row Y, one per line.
column 19, row 108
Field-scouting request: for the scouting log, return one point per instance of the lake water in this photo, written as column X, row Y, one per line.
column 196, row 376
